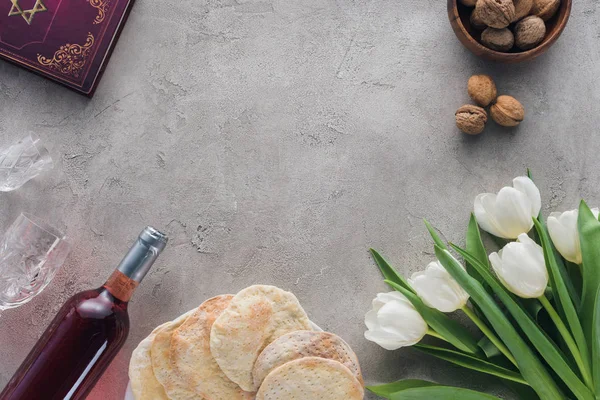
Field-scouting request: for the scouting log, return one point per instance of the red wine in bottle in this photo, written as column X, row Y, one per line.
column 86, row 334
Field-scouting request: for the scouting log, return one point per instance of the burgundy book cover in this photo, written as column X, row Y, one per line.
column 68, row 41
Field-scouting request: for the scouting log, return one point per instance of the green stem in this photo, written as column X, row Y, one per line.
column 433, row 333
column 488, row 332
column 569, row 341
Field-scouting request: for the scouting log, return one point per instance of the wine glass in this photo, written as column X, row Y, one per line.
column 23, row 161
column 31, row 252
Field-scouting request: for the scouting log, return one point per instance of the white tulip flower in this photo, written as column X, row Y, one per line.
column 565, row 234
column 394, row 322
column 520, row 266
column 510, row 212
column 436, row 287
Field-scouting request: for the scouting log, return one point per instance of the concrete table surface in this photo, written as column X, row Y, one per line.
column 276, row 141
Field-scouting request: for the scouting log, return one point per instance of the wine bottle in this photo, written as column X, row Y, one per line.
column 86, row 334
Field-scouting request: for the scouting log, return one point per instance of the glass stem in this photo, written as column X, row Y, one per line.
column 490, row 335
column 569, row 341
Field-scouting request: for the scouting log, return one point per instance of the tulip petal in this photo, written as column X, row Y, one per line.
column 526, row 185
column 394, row 322
column 371, row 319
column 513, row 212
column 485, row 213
column 521, row 267
column 564, row 234
column 409, row 328
column 438, row 289
column 510, row 212
column 526, row 240
column 384, row 340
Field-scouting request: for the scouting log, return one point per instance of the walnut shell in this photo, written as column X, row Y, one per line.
column 496, row 13
column 522, row 9
column 476, row 21
column 468, row 3
column 498, row 39
column 471, row 119
column 507, row 111
column 529, row 32
column 545, row 9
column 482, row 89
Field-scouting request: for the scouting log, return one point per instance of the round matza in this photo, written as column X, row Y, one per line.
column 311, row 378
column 161, row 364
column 301, row 344
column 255, row 317
column 143, row 383
column 192, row 360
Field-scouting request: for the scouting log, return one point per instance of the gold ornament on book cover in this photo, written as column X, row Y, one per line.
column 102, row 6
column 69, row 59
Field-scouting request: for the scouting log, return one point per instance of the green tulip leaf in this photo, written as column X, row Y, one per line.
column 474, row 245
column 562, row 269
column 534, row 333
column 389, row 272
column 589, row 237
column 563, row 298
column 530, row 366
column 523, row 392
column 488, row 347
column 441, row 393
column 596, row 343
column 436, row 238
column 575, row 276
column 470, row 362
column 388, row 389
column 450, row 330
column 533, row 307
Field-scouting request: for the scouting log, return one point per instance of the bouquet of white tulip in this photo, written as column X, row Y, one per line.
column 536, row 302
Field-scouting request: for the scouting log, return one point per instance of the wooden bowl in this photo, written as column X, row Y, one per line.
column 459, row 16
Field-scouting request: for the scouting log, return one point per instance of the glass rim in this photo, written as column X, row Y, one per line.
column 41, row 149
column 43, row 225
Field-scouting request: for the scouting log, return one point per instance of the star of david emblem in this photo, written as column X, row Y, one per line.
column 26, row 14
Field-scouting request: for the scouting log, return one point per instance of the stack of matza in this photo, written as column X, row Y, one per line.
column 258, row 344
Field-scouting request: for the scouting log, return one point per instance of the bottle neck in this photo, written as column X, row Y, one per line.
column 136, row 264
column 121, row 286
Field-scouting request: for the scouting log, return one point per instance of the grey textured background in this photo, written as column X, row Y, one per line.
column 276, row 142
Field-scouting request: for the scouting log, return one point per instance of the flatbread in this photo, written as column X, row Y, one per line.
column 301, row 344
column 192, row 360
column 311, row 378
column 161, row 365
column 255, row 317
column 144, row 385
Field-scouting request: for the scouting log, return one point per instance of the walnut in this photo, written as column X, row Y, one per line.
column 468, row 3
column 476, row 21
column 507, row 111
column 545, row 9
column 529, row 32
column 482, row 89
column 498, row 39
column 496, row 13
column 522, row 9
column 471, row 119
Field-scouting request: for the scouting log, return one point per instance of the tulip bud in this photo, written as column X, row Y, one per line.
column 520, row 266
column 565, row 234
column 436, row 287
column 394, row 322
column 510, row 212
